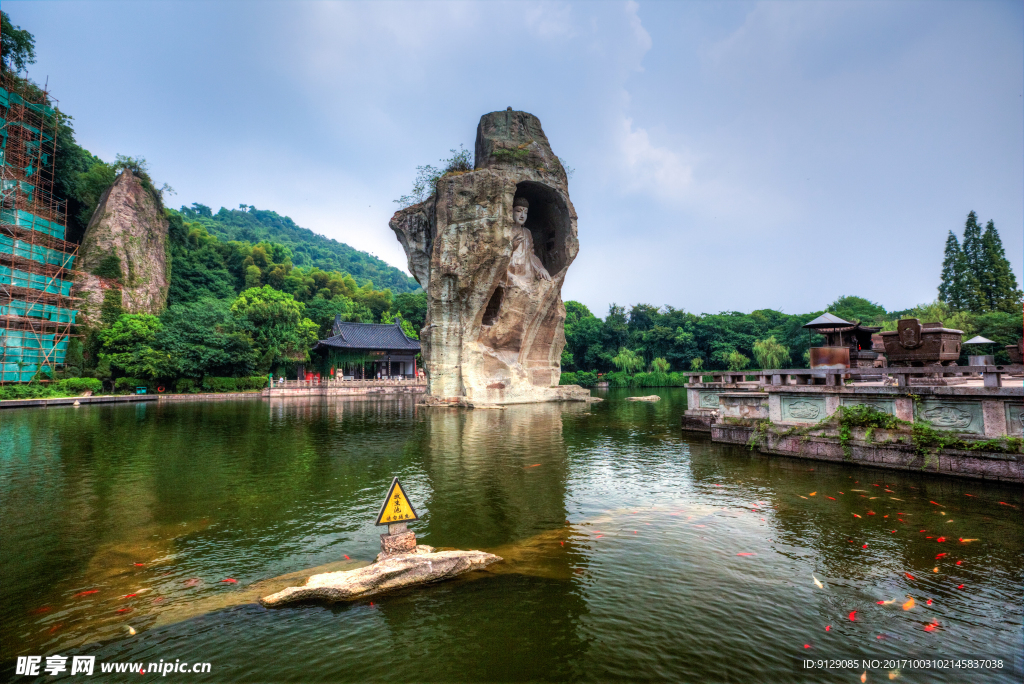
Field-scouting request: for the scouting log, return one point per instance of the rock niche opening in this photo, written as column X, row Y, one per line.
column 493, row 306
column 549, row 222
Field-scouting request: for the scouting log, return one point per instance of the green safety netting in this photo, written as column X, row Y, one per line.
column 12, row 276
column 43, row 255
column 22, row 352
column 46, row 312
column 7, row 98
column 24, row 219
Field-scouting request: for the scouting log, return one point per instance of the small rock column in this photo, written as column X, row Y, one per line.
column 398, row 539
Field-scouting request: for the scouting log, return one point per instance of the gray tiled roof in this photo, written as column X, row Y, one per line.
column 383, row 336
column 827, row 320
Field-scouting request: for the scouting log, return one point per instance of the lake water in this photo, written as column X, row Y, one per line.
column 635, row 552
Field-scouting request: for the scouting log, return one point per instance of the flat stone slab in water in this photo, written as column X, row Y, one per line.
column 388, row 573
column 650, row 397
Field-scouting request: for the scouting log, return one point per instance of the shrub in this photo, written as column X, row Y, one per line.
column 129, row 385
column 30, row 391
column 214, row 384
column 185, row 386
column 568, row 378
column 78, row 385
column 677, row 380
column 586, row 379
column 655, row 379
column 617, row 379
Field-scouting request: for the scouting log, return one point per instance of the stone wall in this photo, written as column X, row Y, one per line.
column 878, row 453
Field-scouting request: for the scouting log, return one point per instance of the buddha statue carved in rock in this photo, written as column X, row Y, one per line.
column 524, row 267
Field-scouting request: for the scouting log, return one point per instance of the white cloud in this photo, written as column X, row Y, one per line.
column 647, row 168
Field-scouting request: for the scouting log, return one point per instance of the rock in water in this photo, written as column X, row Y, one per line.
column 388, row 573
column 491, row 248
column 650, row 397
column 125, row 246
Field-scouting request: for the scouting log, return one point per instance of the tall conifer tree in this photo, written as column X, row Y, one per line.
column 998, row 283
column 976, row 276
column 951, row 283
column 973, row 265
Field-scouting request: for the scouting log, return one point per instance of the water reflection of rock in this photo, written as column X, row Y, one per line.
column 497, row 476
column 489, row 493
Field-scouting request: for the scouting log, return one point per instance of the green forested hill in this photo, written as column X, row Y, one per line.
column 308, row 248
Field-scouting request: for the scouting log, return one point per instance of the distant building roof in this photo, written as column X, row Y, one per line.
column 978, row 339
column 827, row 320
column 371, row 336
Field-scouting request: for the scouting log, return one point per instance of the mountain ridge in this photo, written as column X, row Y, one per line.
column 308, row 248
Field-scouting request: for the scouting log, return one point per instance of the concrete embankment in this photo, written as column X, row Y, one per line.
column 366, row 390
column 70, row 401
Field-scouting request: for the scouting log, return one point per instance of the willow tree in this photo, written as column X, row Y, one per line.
column 770, row 353
column 659, row 365
column 628, row 360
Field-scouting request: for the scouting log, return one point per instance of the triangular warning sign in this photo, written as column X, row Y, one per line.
column 396, row 507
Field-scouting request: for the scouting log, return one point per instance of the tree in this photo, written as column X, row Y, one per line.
column 951, row 281
column 998, row 283
column 206, row 339
column 857, row 309
column 770, row 353
column 736, row 361
column 127, row 346
column 279, row 330
column 17, row 45
column 659, row 365
column 427, row 176
column 642, row 317
column 976, row 276
column 628, row 360
column 973, row 266
column 388, row 317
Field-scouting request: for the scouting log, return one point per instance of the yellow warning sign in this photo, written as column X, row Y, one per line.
column 396, row 507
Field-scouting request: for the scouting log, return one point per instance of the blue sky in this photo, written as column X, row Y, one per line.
column 727, row 156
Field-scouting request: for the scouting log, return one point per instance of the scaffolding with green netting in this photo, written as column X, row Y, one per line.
column 37, row 311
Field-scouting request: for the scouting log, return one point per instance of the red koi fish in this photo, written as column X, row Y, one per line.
column 909, row 576
column 939, row 556
column 936, row 503
column 853, row 616
column 347, row 558
column 941, row 539
column 745, row 553
column 130, row 595
column 230, row 580
column 124, row 610
column 86, row 593
column 139, row 565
